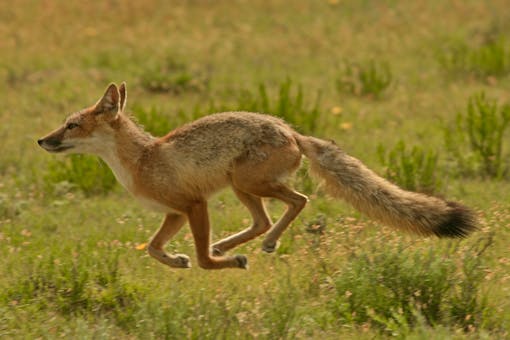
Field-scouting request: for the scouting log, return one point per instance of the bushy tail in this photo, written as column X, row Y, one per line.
column 349, row 179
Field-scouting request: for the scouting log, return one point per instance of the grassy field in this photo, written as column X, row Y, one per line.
column 418, row 90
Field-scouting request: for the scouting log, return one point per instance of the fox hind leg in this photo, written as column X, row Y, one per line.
column 265, row 179
column 295, row 203
column 294, row 200
column 170, row 226
column 261, row 223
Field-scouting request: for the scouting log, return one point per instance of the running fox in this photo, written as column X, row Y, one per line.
column 253, row 154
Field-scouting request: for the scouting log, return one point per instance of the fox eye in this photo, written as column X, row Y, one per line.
column 71, row 126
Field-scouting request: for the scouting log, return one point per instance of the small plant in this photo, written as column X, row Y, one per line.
column 174, row 77
column 482, row 128
column 289, row 105
column 371, row 79
column 489, row 59
column 414, row 170
column 87, row 173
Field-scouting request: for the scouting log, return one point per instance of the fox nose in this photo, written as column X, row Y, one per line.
column 40, row 141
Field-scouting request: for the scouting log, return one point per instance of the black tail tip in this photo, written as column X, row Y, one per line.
column 460, row 223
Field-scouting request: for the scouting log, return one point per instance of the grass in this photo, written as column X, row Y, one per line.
column 71, row 240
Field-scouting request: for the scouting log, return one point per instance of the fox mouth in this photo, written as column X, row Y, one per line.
column 54, row 148
column 58, row 148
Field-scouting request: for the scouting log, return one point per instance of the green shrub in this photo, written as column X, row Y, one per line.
column 159, row 124
column 172, row 76
column 371, row 79
column 489, row 59
column 289, row 105
column 76, row 286
column 413, row 170
column 153, row 121
column 86, row 173
column 476, row 142
column 397, row 289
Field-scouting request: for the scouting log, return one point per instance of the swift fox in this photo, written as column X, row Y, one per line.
column 253, row 154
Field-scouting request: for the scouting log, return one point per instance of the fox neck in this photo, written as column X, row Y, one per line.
column 123, row 151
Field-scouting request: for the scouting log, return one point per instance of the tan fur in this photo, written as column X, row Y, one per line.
column 252, row 153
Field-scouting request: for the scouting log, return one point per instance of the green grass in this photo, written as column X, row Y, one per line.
column 70, row 237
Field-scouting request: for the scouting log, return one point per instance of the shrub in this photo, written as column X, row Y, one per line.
column 396, row 289
column 489, row 59
column 159, row 124
column 371, row 79
column 413, row 170
column 289, row 105
column 482, row 129
column 86, row 173
column 76, row 286
column 153, row 121
column 172, row 76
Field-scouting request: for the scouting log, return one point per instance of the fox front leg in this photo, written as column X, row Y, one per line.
column 170, row 226
column 199, row 223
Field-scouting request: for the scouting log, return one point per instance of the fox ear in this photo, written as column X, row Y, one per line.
column 123, row 95
column 110, row 101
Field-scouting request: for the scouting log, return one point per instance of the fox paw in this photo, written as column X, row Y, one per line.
column 270, row 247
column 242, row 261
column 176, row 261
column 180, row 261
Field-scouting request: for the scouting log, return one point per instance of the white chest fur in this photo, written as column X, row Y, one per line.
column 121, row 172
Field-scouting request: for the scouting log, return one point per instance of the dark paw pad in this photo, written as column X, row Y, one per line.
column 181, row 261
column 270, row 248
column 242, row 261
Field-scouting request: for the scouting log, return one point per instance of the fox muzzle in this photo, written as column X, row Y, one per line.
column 52, row 145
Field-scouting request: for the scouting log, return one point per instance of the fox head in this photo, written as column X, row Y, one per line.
column 85, row 131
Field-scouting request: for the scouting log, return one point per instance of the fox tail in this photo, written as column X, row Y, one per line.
column 347, row 178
